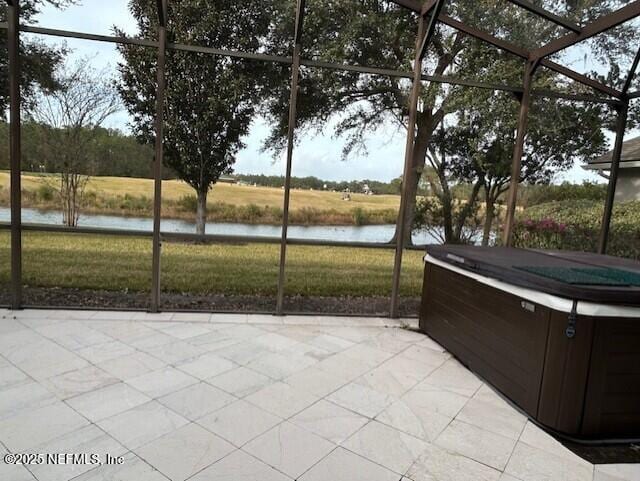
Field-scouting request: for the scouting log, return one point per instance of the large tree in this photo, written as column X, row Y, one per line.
column 38, row 60
column 379, row 33
column 210, row 99
column 477, row 150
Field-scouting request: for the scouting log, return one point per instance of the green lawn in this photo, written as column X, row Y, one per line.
column 118, row 263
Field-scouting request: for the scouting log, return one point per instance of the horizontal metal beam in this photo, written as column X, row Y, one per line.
column 206, row 238
column 87, row 36
column 325, row 65
column 546, row 93
column 547, row 15
column 526, row 55
column 229, row 53
column 596, row 27
column 578, row 77
column 485, row 37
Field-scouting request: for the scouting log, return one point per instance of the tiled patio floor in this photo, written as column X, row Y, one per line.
column 258, row 398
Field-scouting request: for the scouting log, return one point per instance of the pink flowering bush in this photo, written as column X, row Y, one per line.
column 575, row 225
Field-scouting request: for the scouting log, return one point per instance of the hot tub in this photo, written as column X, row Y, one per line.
column 564, row 347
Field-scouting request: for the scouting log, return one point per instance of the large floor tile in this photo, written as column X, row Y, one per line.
column 131, row 365
column 175, row 352
column 476, row 443
column 281, row 399
column 87, row 440
column 533, row 464
column 437, row 464
column 161, row 382
column 73, row 335
column 617, row 472
column 395, row 376
column 503, row 420
column 316, row 381
column 108, row 401
column 142, row 424
column 184, row 452
column 329, row 421
column 239, row 422
column 386, row 446
column 280, row 365
column 240, row 466
column 240, row 381
column 23, row 396
column 78, row 382
column 36, row 426
column 206, row 366
column 453, row 376
column 132, row 469
column 343, row 465
column 289, row 449
column 197, row 400
column 98, row 353
column 361, row 399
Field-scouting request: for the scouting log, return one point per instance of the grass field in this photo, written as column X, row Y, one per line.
column 101, row 189
column 119, row 263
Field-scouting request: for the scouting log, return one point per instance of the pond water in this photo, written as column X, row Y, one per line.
column 367, row 233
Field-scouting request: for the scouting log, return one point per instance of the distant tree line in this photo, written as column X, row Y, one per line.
column 316, row 183
column 110, row 152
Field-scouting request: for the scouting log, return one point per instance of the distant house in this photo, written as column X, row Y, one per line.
column 227, row 179
column 628, row 186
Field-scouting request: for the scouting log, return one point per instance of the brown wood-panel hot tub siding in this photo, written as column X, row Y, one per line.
column 587, row 386
column 476, row 323
column 612, row 404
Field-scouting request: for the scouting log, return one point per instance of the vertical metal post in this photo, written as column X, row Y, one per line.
column 408, row 166
column 157, row 164
column 293, row 100
column 13, row 45
column 613, row 177
column 518, row 149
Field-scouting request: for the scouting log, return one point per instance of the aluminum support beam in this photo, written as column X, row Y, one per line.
column 632, row 73
column 315, row 63
column 157, row 162
column 15, row 155
column 526, row 55
column 547, row 15
column 435, row 13
column 596, row 27
column 408, row 161
column 293, row 104
column 613, row 178
column 518, row 150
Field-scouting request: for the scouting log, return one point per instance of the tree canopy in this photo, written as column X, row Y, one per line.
column 210, row 100
column 379, row 33
column 38, row 60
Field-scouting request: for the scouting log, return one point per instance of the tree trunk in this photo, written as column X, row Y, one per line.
column 488, row 219
column 423, row 138
column 201, row 212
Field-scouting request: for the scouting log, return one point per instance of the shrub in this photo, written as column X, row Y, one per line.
column 45, row 193
column 575, row 225
column 188, row 203
column 542, row 194
column 360, row 216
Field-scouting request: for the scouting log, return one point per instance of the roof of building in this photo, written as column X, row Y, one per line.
column 630, row 157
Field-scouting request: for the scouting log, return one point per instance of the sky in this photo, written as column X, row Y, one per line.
column 316, row 155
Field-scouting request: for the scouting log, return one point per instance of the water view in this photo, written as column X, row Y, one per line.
column 367, row 233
